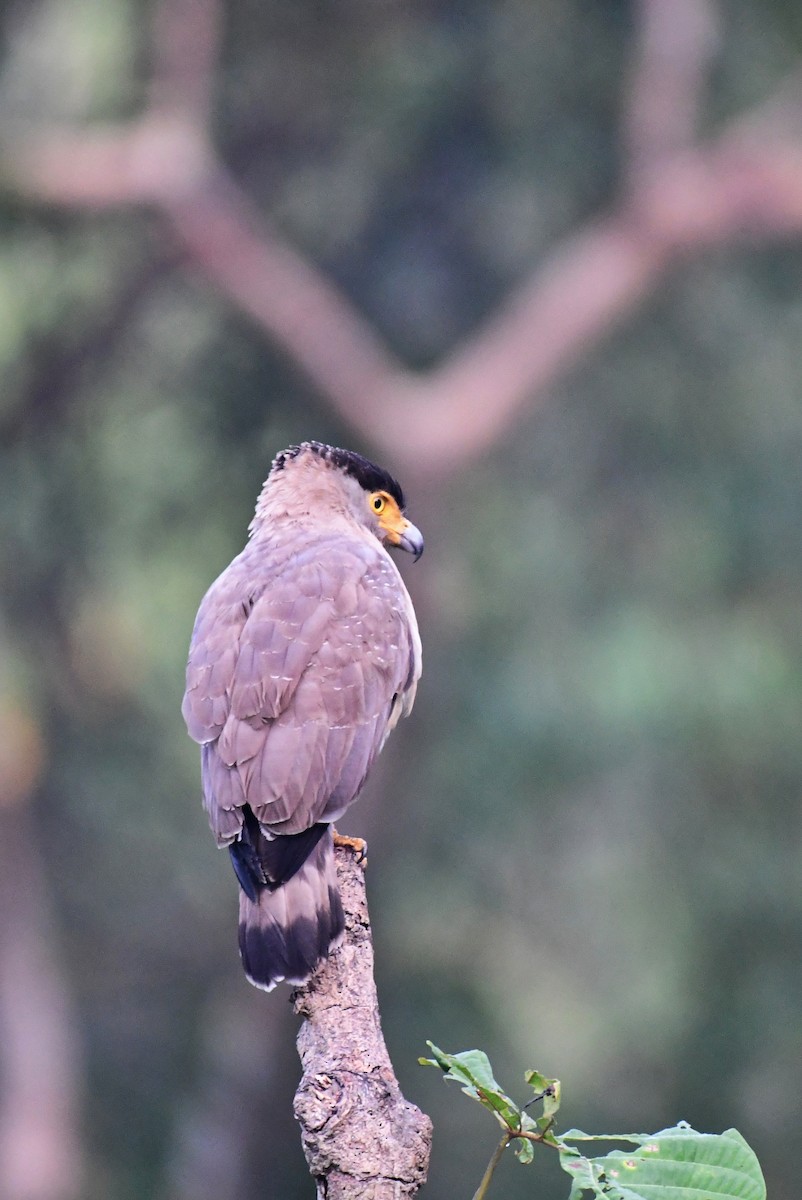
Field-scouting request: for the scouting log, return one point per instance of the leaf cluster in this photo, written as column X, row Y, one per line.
column 673, row 1164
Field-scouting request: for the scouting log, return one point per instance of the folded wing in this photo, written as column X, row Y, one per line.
column 299, row 667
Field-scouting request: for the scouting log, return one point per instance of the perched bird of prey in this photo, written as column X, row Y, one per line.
column 304, row 655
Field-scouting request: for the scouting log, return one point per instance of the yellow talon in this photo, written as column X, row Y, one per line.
column 358, row 845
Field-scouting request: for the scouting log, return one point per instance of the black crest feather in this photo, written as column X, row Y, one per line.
column 367, row 474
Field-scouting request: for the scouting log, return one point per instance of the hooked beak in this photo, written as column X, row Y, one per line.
column 411, row 539
column 396, row 530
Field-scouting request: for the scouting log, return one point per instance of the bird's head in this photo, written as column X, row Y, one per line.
column 322, row 482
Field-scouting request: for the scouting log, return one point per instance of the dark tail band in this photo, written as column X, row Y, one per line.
column 286, row 932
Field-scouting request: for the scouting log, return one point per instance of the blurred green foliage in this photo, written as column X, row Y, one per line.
column 586, row 842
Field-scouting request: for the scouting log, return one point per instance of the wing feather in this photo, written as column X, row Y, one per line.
column 300, row 664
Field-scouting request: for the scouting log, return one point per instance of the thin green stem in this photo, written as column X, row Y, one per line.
column 481, row 1191
column 511, row 1135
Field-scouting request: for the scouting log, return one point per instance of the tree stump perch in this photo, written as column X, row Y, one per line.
column 361, row 1138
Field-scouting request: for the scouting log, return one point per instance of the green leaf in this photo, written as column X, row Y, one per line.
column 524, row 1150
column 472, row 1070
column 581, row 1170
column 548, row 1090
column 675, row 1164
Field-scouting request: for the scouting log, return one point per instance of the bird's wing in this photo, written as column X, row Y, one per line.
column 294, row 697
column 213, row 650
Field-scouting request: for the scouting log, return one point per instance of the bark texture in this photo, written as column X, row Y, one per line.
column 361, row 1138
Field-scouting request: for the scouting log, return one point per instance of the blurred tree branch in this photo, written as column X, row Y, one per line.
column 668, row 76
column 40, row 1155
column 678, row 197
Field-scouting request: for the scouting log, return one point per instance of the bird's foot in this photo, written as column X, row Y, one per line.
column 358, row 845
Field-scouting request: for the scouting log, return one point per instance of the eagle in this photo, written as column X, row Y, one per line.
column 304, row 655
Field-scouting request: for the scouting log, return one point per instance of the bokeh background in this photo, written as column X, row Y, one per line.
column 225, row 227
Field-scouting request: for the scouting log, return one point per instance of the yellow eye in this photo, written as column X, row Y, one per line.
column 378, row 502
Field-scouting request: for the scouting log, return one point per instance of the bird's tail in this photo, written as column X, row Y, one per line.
column 285, row 933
